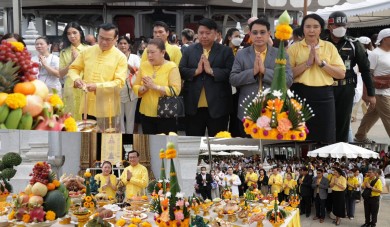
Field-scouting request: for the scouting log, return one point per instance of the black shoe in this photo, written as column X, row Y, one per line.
column 365, row 225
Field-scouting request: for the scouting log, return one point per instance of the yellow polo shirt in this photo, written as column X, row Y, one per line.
column 252, row 178
column 172, row 50
column 103, row 181
column 314, row 76
column 378, row 185
column 353, row 181
column 138, row 181
column 107, row 69
column 167, row 75
column 277, row 186
column 290, row 185
column 340, row 180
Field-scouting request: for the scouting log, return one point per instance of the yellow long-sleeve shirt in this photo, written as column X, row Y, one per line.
column 314, row 76
column 103, row 181
column 138, row 181
column 353, row 181
column 340, row 180
column 277, row 186
column 288, row 185
column 107, row 69
column 166, row 75
column 251, row 178
column 378, row 185
column 172, row 50
column 71, row 95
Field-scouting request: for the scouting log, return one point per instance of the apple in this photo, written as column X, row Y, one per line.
column 35, row 200
column 23, row 198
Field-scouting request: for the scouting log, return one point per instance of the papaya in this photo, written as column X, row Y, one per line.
column 56, row 202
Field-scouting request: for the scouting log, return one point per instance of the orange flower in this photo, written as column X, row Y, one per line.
column 284, row 125
column 282, row 115
column 275, row 103
column 26, row 218
column 296, row 104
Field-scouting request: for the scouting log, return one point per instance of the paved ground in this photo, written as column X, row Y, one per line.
column 377, row 133
column 383, row 217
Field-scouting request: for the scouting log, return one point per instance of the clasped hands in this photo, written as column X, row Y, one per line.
column 148, row 83
column 313, row 57
column 258, row 65
column 87, row 87
column 204, row 65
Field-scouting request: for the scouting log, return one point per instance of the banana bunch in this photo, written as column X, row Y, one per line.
column 14, row 119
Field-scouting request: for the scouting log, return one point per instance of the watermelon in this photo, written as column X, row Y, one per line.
column 56, row 202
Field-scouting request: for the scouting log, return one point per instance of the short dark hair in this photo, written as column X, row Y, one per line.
column 108, row 27
column 159, row 43
column 188, row 34
column 208, row 23
column 125, row 38
column 229, row 33
column 320, row 170
column 314, row 17
column 65, row 40
column 134, row 151
column 297, row 32
column 44, row 38
column 161, row 24
column 203, row 167
column 107, row 162
column 260, row 21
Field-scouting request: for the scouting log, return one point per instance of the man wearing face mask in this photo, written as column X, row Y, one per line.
column 352, row 53
column 204, row 180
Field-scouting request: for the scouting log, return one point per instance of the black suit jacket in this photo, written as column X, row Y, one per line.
column 199, row 181
column 305, row 188
column 217, row 88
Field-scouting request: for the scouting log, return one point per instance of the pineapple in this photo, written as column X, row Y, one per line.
column 8, row 76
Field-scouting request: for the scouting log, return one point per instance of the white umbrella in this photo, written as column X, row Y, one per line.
column 339, row 150
column 237, row 153
column 223, row 153
column 206, row 153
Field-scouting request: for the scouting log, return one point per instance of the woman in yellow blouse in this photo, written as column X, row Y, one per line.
column 314, row 64
column 106, row 180
column 73, row 43
column 288, row 184
column 153, row 81
column 338, row 185
column 352, row 184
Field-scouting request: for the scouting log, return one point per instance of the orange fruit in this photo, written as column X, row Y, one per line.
column 50, row 186
column 26, row 88
column 3, row 96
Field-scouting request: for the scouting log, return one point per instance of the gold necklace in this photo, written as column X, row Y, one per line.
column 155, row 71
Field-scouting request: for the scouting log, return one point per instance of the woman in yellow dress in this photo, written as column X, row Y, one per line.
column 154, row 80
column 73, row 43
column 106, row 180
column 288, row 184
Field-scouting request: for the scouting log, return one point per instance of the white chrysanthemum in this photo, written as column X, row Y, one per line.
column 290, row 93
column 266, row 91
column 277, row 93
column 168, row 194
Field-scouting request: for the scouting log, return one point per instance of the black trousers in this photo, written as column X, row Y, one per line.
column 196, row 125
column 205, row 192
column 281, row 196
column 155, row 125
column 305, row 205
column 343, row 96
column 371, row 208
column 320, row 205
column 329, row 203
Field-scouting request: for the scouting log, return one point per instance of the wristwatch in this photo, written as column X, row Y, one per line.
column 323, row 63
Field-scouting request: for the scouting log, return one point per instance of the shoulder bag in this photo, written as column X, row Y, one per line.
column 367, row 191
column 170, row 106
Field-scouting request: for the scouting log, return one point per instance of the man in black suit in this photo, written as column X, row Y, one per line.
column 305, row 190
column 203, row 180
column 205, row 68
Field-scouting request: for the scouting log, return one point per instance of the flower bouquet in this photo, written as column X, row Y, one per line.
column 276, row 216
column 44, row 200
column 294, row 199
column 172, row 208
column 26, row 102
column 89, row 201
column 276, row 112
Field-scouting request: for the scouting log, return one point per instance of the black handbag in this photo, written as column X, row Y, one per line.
column 356, row 195
column 367, row 191
column 170, row 106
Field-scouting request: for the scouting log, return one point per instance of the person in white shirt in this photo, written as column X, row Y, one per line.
column 231, row 180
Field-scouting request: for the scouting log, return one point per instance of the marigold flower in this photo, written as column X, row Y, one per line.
column 132, row 225
column 55, row 101
column 16, row 100
column 87, row 174
column 91, row 204
column 283, row 32
column 50, row 215
column 26, row 218
column 162, row 153
column 70, row 124
column 121, row 222
column 223, row 134
column 146, row 224
column 275, row 103
column 11, row 215
column 18, row 46
column 88, row 198
column 136, row 220
column 170, row 153
column 86, row 204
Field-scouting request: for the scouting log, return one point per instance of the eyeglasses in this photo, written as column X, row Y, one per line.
column 105, row 39
column 261, row 32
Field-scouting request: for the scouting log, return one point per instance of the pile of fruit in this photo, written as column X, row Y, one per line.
column 26, row 102
column 44, row 199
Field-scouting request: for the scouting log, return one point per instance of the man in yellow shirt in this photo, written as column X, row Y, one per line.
column 276, row 182
column 135, row 176
column 251, row 177
column 371, row 204
column 103, row 65
column 161, row 30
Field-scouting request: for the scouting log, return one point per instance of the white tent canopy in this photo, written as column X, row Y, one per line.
column 223, row 153
column 339, row 150
column 363, row 14
column 206, row 153
column 237, row 153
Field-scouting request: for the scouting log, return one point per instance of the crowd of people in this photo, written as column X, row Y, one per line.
column 332, row 186
column 215, row 74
